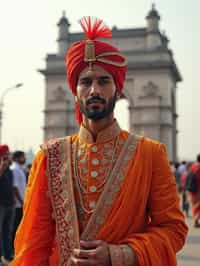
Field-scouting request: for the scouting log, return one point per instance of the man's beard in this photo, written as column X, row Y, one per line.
column 95, row 114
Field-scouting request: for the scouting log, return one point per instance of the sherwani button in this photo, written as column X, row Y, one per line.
column 95, row 161
column 94, row 174
column 94, row 149
column 93, row 189
column 92, row 204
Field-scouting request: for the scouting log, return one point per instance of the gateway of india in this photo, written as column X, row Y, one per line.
column 150, row 86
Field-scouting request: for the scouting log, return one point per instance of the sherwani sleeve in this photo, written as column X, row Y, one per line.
column 166, row 231
column 122, row 255
column 35, row 235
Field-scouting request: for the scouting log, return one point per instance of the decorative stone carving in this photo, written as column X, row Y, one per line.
column 150, row 90
column 59, row 94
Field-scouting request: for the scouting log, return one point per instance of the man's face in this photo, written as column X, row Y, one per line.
column 96, row 93
column 5, row 161
column 21, row 160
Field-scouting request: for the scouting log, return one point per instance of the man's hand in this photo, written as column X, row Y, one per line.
column 91, row 253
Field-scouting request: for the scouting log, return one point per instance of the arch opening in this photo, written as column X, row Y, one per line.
column 122, row 113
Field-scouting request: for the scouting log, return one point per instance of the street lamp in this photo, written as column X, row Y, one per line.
column 18, row 85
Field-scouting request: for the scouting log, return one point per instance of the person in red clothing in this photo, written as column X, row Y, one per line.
column 195, row 196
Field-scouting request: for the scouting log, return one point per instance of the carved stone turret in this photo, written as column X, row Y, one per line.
column 63, row 34
column 153, row 19
column 153, row 39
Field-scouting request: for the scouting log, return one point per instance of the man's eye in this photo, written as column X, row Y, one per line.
column 104, row 81
column 86, row 82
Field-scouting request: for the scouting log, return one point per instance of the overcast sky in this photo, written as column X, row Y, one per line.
column 28, row 32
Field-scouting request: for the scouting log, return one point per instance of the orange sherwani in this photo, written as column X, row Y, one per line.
column 119, row 189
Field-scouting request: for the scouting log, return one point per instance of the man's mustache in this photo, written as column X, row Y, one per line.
column 94, row 99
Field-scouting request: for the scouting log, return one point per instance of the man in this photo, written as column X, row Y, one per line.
column 102, row 196
column 6, row 206
column 19, row 183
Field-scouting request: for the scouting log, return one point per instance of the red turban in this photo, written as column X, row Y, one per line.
column 86, row 52
column 3, row 150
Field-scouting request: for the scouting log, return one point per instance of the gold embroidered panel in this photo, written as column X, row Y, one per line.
column 62, row 197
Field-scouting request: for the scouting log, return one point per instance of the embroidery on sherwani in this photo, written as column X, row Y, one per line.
column 61, row 191
column 111, row 189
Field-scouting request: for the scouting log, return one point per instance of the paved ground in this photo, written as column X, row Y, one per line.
column 190, row 254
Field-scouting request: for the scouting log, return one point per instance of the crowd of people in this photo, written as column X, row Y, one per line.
column 187, row 176
column 13, row 179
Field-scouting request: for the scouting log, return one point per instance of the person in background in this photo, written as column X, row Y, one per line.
column 177, row 176
column 27, row 171
column 19, row 183
column 195, row 196
column 184, row 193
column 6, row 206
column 181, row 169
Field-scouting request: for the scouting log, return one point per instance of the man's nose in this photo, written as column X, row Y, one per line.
column 95, row 88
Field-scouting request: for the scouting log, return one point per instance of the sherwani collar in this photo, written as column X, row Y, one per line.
column 104, row 135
